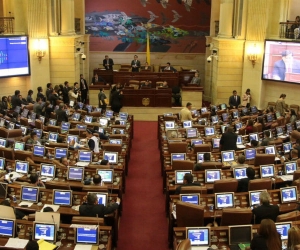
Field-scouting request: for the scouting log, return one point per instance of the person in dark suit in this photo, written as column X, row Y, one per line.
column 243, row 183
column 49, row 90
column 135, row 64
column 234, row 100
column 267, row 139
column 83, row 88
column 108, row 63
column 116, row 101
column 92, row 209
column 40, row 94
column 286, row 65
column 265, row 210
column 96, row 79
column 61, row 115
column 66, row 89
column 169, row 67
column 228, row 140
column 187, row 181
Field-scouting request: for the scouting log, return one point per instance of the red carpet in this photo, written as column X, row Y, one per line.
column 143, row 225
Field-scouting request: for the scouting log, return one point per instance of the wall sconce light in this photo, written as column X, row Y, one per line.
column 40, row 49
column 252, row 54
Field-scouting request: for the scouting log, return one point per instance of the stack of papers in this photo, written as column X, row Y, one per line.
column 16, row 243
column 25, row 203
column 83, row 247
column 287, row 177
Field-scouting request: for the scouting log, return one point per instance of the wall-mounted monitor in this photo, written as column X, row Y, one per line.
column 14, row 56
column 281, row 61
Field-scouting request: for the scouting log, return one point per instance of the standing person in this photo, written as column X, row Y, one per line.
column 234, row 100
column 280, row 105
column 116, row 101
column 246, row 99
column 72, row 96
column 53, row 97
column 267, row 238
column 77, row 90
column 93, row 142
column 15, row 100
column 108, row 63
column 102, row 99
column 65, row 92
column 49, row 90
column 84, row 89
column 29, row 96
column 265, row 210
column 135, row 64
column 40, row 94
column 61, row 115
column 185, row 113
column 37, row 107
column 228, row 140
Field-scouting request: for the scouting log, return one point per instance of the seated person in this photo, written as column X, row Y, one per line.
column 146, row 67
column 206, row 158
column 169, row 67
column 267, row 139
column 196, row 79
column 34, row 139
column 101, row 135
column 265, row 210
column 240, row 162
column 146, row 84
column 254, row 143
column 32, row 245
column 164, row 85
column 48, row 210
column 35, row 180
column 93, row 209
column 187, row 181
column 64, row 161
column 243, row 183
column 19, row 214
column 97, row 181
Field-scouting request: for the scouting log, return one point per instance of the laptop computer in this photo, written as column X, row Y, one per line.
column 199, row 237
column 84, row 158
column 47, row 172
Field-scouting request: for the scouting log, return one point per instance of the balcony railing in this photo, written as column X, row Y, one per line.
column 287, row 30
column 6, row 25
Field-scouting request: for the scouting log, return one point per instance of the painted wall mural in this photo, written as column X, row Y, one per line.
column 173, row 25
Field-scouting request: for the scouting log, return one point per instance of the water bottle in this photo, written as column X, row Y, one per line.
column 14, row 199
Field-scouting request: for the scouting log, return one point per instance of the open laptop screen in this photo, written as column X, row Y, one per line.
column 224, row 200
column 53, row 137
column 198, row 236
column 123, row 116
column 2, row 142
column 47, row 170
column 254, row 197
column 290, row 167
column 87, row 235
column 239, row 173
column 107, row 175
column 209, row 131
column 177, row 157
column 65, row 126
column 2, row 163
column 112, row 157
column 62, row 197
column 38, row 150
column 269, row 117
column 253, row 136
column 191, row 132
column 52, row 122
column 71, row 138
column 212, row 175
column 115, row 141
column 76, row 173
column 109, row 113
column 81, row 126
column 288, row 194
column 238, row 125
column 240, row 234
column 19, row 145
column 22, row 167
column 250, row 153
column 196, row 142
column 187, row 124
column 215, row 119
column 30, row 194
column 7, row 228
column 227, row 156
column 253, row 109
column 270, row 150
column 39, row 132
column 169, row 124
column 88, row 119
column 266, row 171
column 287, row 146
column 200, row 156
column 60, row 152
column 283, row 229
column 84, row 156
column 216, row 142
column 179, row 175
column 45, row 231
column 190, row 198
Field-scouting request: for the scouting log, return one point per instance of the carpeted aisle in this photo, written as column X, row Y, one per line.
column 143, row 224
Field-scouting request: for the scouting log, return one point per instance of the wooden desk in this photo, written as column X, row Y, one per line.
column 147, row 97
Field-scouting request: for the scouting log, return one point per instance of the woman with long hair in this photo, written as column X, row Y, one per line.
column 293, row 238
column 268, row 238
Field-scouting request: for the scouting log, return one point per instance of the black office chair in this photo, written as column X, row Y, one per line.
column 176, row 95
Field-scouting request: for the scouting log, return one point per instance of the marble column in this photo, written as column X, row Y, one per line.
column 226, row 19
column 67, row 18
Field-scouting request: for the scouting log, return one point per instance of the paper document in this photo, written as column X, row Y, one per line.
column 16, row 243
column 44, row 245
column 83, row 226
column 287, row 177
column 83, row 247
column 24, row 203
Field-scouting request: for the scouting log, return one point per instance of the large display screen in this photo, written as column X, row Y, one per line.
column 14, row 58
column 281, row 61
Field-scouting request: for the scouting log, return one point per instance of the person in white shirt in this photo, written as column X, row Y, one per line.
column 93, row 141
